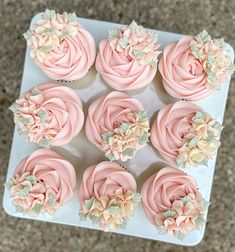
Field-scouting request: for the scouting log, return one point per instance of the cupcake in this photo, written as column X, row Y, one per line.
column 127, row 59
column 107, row 195
column 172, row 202
column 185, row 135
column 117, row 125
column 41, row 183
column 193, row 67
column 48, row 114
column 60, row 46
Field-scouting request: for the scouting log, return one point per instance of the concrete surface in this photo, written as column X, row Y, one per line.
column 188, row 17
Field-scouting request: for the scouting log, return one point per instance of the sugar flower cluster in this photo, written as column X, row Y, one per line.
column 186, row 214
column 31, row 197
column 134, row 42
column 111, row 212
column 128, row 138
column 201, row 143
column 31, row 117
column 49, row 31
column 213, row 57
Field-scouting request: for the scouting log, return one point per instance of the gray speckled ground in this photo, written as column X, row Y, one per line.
column 188, row 17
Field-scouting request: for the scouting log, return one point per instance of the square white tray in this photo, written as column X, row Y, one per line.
column 83, row 154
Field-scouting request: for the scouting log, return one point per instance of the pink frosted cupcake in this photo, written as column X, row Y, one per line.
column 118, row 125
column 42, row 183
column 107, row 195
column 48, row 114
column 127, row 59
column 172, row 202
column 185, row 135
column 60, row 46
column 194, row 67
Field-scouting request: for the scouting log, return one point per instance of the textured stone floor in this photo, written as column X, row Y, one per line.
column 188, row 17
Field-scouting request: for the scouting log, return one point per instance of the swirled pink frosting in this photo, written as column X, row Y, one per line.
column 42, row 182
column 120, row 72
column 173, row 122
column 107, row 113
column 172, row 202
column 182, row 73
column 104, row 179
column 61, row 47
column 49, row 114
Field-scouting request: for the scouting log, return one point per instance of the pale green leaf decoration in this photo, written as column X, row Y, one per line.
column 32, row 179
column 82, row 216
column 110, row 156
column 23, row 133
column 142, row 116
column 193, row 142
column 72, row 17
column 94, row 219
column 179, row 235
column 88, row 203
column 37, row 208
column 123, row 42
column 42, row 115
column 123, row 225
column 205, row 205
column 24, row 192
column 19, row 209
column 9, row 184
column 124, row 127
column 137, row 197
column 180, row 162
column 162, row 230
column 200, row 221
column 52, row 199
column 106, row 136
column 186, row 199
column 45, row 143
column 113, row 33
column 129, row 152
column 27, row 35
column 133, row 26
column 144, row 138
column 14, row 108
column 35, row 91
column 114, row 208
column 169, row 213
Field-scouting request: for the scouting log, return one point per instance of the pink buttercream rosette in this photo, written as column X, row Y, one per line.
column 172, row 202
column 42, row 183
column 127, row 60
column 61, row 47
column 107, row 195
column 185, row 135
column 118, row 125
column 49, row 114
column 193, row 67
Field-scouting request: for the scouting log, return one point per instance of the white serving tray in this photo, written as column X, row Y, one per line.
column 83, row 154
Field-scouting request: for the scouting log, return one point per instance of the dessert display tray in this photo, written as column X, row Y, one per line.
column 81, row 153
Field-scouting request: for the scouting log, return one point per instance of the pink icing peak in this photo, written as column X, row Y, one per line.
column 107, row 195
column 42, row 182
column 49, row 114
column 172, row 202
column 185, row 135
column 60, row 46
column 127, row 59
column 117, row 125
